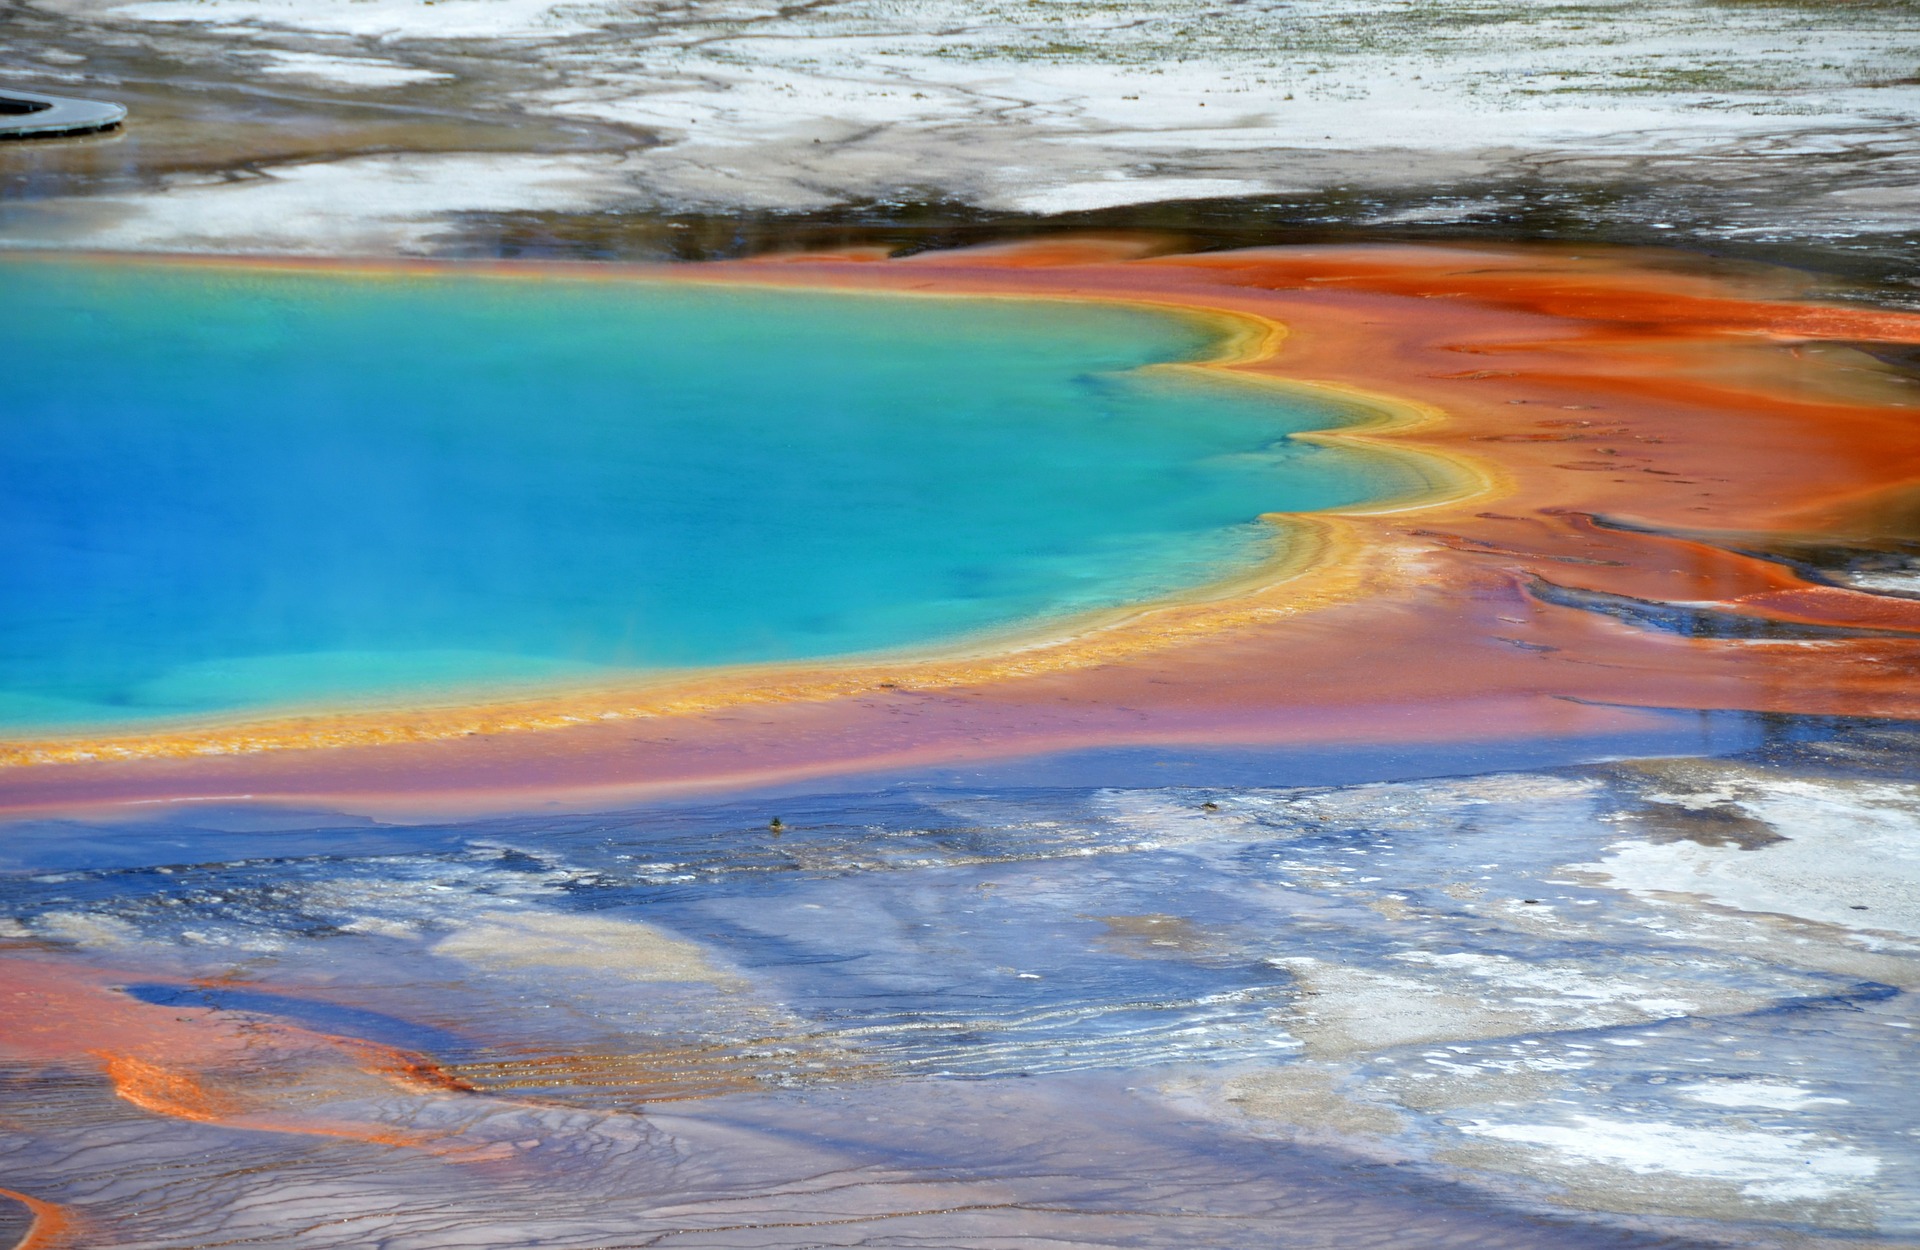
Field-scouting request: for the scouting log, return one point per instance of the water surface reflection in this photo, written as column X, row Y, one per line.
column 1456, row 1011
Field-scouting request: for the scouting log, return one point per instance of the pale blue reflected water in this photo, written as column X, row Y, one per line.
column 1396, row 1014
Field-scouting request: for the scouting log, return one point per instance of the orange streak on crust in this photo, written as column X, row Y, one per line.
column 202, row 1065
column 53, row 1227
column 411, row 1072
column 184, row 1094
column 168, row 1091
column 1699, row 412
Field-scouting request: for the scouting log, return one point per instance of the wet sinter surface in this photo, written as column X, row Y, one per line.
column 495, row 127
column 1640, row 1002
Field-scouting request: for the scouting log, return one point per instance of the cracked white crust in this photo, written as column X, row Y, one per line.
column 1046, row 106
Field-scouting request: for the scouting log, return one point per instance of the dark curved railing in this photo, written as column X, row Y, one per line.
column 28, row 115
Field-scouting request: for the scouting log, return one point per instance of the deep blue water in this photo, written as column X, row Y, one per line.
column 225, row 488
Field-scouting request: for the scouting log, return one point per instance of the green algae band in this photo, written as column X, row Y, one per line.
column 227, row 488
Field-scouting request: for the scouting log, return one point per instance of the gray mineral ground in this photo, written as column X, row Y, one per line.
column 625, row 129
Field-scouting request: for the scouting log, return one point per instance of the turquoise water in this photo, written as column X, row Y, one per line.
column 224, row 489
